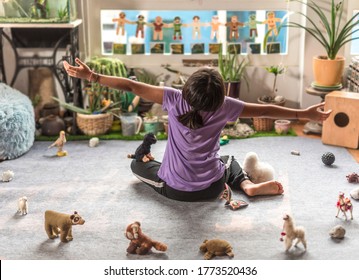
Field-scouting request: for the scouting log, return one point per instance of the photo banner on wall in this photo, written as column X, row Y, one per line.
column 189, row 32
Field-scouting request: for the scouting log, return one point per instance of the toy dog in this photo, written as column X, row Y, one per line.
column 216, row 247
column 143, row 152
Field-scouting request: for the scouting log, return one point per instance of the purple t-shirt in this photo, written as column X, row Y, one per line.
column 191, row 161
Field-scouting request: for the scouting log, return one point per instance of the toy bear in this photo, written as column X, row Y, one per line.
column 140, row 243
column 143, row 152
column 216, row 247
column 59, row 223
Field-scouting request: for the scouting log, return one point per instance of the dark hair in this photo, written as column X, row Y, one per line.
column 203, row 91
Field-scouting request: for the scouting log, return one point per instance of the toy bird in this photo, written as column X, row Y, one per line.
column 59, row 143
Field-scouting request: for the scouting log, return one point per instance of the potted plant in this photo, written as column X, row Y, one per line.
column 102, row 103
column 332, row 32
column 232, row 70
column 150, row 123
column 272, row 97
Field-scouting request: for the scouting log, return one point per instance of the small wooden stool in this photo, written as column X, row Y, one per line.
column 342, row 126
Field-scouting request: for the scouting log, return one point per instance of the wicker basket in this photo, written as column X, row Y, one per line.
column 94, row 124
column 263, row 124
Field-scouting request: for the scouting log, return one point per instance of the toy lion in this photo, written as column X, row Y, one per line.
column 59, row 223
column 216, row 247
column 140, row 243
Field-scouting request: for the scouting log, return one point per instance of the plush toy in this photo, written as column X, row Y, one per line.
column 22, row 205
column 59, row 223
column 216, row 247
column 140, row 243
column 257, row 171
column 7, row 176
column 143, row 152
column 292, row 233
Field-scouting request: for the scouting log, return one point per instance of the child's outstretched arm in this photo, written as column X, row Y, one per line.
column 314, row 112
column 82, row 71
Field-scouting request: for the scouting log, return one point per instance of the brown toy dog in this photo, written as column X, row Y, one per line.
column 59, row 223
column 216, row 247
column 140, row 243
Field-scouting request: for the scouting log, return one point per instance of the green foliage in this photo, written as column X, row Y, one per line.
column 275, row 70
column 231, row 67
column 336, row 31
column 63, row 13
column 146, row 77
column 100, row 98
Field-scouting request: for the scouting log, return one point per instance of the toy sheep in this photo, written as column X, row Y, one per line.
column 7, row 176
column 22, row 205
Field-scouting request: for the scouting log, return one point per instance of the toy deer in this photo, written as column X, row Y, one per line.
column 344, row 204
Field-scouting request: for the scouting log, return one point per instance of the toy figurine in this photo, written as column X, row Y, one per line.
column 257, row 171
column 337, row 232
column 140, row 243
column 7, row 176
column 216, row 247
column 59, row 143
column 232, row 204
column 22, row 205
column 291, row 233
column 353, row 178
column 61, row 224
column 344, row 204
column 121, row 21
column 271, row 21
column 234, row 25
column 143, row 152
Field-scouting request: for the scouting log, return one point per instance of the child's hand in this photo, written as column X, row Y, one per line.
column 82, row 71
column 316, row 112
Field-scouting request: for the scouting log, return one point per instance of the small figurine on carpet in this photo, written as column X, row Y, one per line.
column 61, row 224
column 22, row 205
column 344, row 204
column 7, row 176
column 337, row 232
column 353, row 178
column 140, row 243
column 257, row 171
column 59, row 143
column 231, row 203
column 143, row 152
column 291, row 233
column 216, row 247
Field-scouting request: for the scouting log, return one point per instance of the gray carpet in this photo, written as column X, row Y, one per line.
column 97, row 182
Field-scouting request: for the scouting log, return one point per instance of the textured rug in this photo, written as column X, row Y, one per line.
column 97, row 183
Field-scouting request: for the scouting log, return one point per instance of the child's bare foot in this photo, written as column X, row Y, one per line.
column 265, row 188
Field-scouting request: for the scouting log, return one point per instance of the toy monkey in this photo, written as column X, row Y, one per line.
column 143, row 152
column 140, row 243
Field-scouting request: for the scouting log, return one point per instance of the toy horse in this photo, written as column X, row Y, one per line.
column 344, row 205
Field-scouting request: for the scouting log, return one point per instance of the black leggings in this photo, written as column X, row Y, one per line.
column 147, row 173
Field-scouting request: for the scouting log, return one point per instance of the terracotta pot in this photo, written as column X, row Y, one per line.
column 328, row 72
column 52, row 125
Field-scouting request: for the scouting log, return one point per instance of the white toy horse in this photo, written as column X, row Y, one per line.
column 344, row 205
